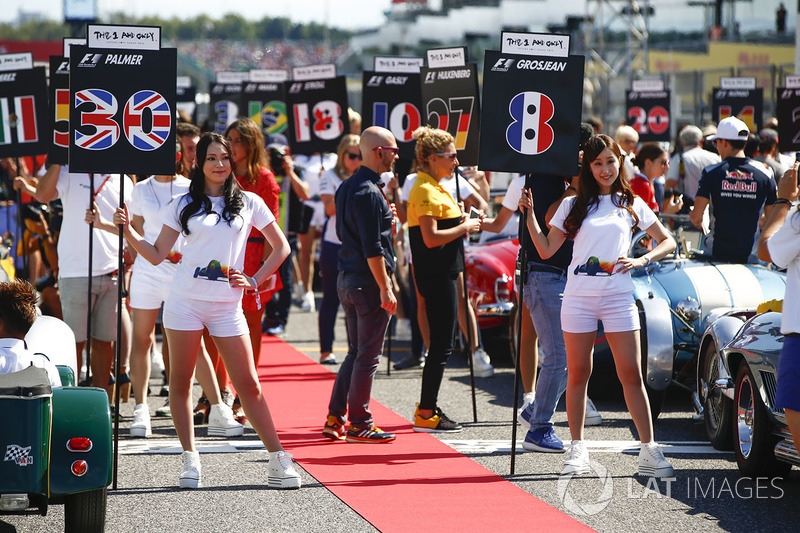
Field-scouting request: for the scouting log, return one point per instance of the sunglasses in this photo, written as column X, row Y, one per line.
column 352, row 157
column 393, row 149
column 452, row 156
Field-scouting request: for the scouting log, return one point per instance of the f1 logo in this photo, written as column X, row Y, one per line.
column 503, row 65
column 91, row 59
column 295, row 88
column 530, row 133
column 430, row 77
column 375, row 81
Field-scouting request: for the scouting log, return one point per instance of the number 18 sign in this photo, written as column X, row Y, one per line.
column 122, row 108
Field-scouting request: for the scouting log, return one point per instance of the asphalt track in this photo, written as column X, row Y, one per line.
column 707, row 493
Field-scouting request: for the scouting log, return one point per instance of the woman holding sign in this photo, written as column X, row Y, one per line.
column 215, row 218
column 601, row 220
column 436, row 225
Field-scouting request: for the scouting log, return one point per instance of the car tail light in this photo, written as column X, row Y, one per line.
column 79, row 444
column 502, row 289
column 79, row 467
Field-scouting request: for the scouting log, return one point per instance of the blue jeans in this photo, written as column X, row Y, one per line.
column 543, row 294
column 328, row 271
column 366, row 323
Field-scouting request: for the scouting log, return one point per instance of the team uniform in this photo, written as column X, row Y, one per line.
column 737, row 191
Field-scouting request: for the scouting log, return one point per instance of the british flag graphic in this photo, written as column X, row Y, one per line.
column 106, row 130
column 139, row 133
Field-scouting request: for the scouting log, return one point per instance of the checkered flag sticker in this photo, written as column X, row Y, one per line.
column 18, row 454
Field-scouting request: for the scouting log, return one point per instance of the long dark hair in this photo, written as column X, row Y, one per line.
column 251, row 134
column 198, row 201
column 589, row 191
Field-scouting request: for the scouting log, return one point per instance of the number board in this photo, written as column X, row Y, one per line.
column 532, row 113
column 58, row 152
column 450, row 102
column 648, row 114
column 317, row 114
column 265, row 103
column 122, row 110
column 745, row 104
column 23, row 112
column 393, row 101
column 788, row 113
column 224, row 104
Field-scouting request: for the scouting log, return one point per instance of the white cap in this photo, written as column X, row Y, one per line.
column 731, row 129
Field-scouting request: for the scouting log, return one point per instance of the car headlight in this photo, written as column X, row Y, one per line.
column 688, row 309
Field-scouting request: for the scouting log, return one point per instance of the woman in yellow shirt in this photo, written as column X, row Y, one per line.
column 436, row 225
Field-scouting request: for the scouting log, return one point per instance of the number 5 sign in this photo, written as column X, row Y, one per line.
column 531, row 113
column 122, row 108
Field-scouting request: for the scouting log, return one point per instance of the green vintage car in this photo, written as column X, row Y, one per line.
column 56, row 442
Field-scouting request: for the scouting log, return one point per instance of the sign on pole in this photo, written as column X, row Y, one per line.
column 317, row 114
column 23, row 111
column 648, row 113
column 738, row 97
column 224, row 105
column 788, row 114
column 265, row 104
column 58, row 152
column 393, row 101
column 450, row 100
column 122, row 108
column 532, row 111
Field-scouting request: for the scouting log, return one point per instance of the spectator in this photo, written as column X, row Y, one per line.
column 627, row 139
column 686, row 166
column 768, row 151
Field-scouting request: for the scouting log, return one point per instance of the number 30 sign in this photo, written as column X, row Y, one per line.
column 122, row 104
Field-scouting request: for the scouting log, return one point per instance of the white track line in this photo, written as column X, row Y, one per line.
column 467, row 447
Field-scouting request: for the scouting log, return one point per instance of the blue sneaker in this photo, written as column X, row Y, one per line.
column 543, row 440
column 276, row 331
column 525, row 416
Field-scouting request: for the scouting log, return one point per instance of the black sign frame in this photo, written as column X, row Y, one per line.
column 26, row 89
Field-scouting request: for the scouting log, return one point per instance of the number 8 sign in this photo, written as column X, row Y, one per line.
column 530, row 133
column 532, row 113
column 122, row 113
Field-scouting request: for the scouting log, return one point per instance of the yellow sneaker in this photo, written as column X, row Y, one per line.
column 437, row 423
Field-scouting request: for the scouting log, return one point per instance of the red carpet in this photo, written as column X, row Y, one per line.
column 387, row 483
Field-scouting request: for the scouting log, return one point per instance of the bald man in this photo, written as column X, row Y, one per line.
column 364, row 220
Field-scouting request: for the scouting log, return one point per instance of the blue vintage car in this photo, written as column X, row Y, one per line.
column 677, row 297
column 736, row 381
column 56, row 441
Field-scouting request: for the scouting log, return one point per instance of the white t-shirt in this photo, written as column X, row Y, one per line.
column 784, row 249
column 604, row 236
column 213, row 246
column 73, row 242
column 313, row 168
column 328, row 184
column 148, row 199
column 15, row 357
column 514, row 193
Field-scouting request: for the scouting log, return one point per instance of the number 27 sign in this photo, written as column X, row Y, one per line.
column 122, row 104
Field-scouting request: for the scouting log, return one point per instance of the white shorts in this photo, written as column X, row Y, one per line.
column 223, row 319
column 147, row 293
column 618, row 312
column 318, row 219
